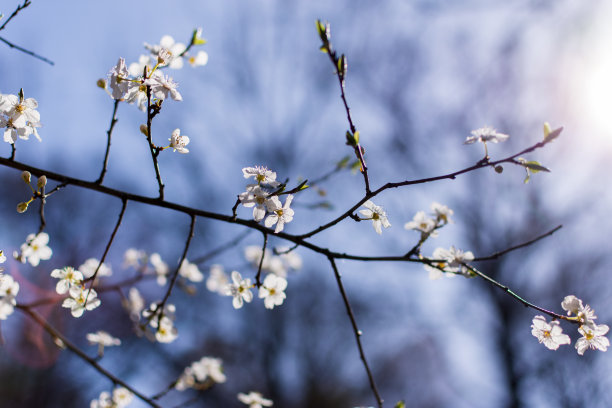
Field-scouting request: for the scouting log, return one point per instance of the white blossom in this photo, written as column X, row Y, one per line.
column 207, row 368
column 35, row 249
column 254, row 399
column 89, row 267
column 8, row 291
column 168, row 50
column 217, row 280
column 592, row 337
column 178, row 142
column 119, row 82
column 574, row 306
column 486, row 134
column 68, row 277
column 256, row 197
column 77, row 300
column 160, row 268
column 190, row 271
column 550, row 334
column 102, row 339
column 377, row 215
column 442, row 212
column 421, row 222
column 134, row 304
column 239, row 289
column 162, row 86
column 273, row 291
column 280, row 215
column 262, row 175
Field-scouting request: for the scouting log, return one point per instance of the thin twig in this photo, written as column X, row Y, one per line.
column 517, row 297
column 109, row 133
column 151, row 112
column 221, row 248
column 108, row 245
column 261, row 260
column 178, row 268
column 26, row 51
column 20, row 7
column 496, row 255
column 356, row 331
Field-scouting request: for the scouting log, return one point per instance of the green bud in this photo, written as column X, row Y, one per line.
column 143, row 130
column 196, row 38
column 42, row 181
column 400, row 404
column 101, row 83
column 22, row 207
column 26, row 176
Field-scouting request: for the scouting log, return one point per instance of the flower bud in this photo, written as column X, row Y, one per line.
column 26, row 176
column 164, row 56
column 22, row 207
column 101, row 83
column 42, row 181
column 499, row 169
column 143, row 130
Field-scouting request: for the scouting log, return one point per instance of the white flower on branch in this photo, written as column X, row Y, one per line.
column 455, row 258
column 273, row 290
column 377, row 215
column 19, row 110
column 280, row 215
column 254, row 399
column 81, row 299
column 134, row 304
column 35, row 249
column 550, row 334
column 8, row 291
column 190, row 271
column 68, row 278
column 421, row 222
column 119, row 82
column 168, row 51
column 162, row 86
column 442, row 212
column 239, row 289
column 194, row 376
column 217, row 280
column 134, row 257
column 592, row 337
column 256, row 197
column 102, row 339
column 178, row 142
column 486, row 134
column 89, row 267
column 584, row 314
column 120, row 398
column 160, row 268
column 262, row 175
column 200, row 59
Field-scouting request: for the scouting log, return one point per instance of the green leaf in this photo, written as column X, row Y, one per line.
column 400, row 404
column 551, row 135
column 535, row 166
column 196, row 39
column 343, row 162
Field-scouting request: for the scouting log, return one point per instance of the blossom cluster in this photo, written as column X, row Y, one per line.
column 551, row 334
column 265, row 201
column 153, row 264
column 272, row 290
column 79, row 297
column 201, row 374
column 8, row 290
column 19, row 117
column 120, row 398
column 428, row 226
column 162, row 321
column 34, row 249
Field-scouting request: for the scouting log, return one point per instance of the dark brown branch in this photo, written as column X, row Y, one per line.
column 74, row 349
column 20, row 7
column 109, row 133
column 356, row 331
